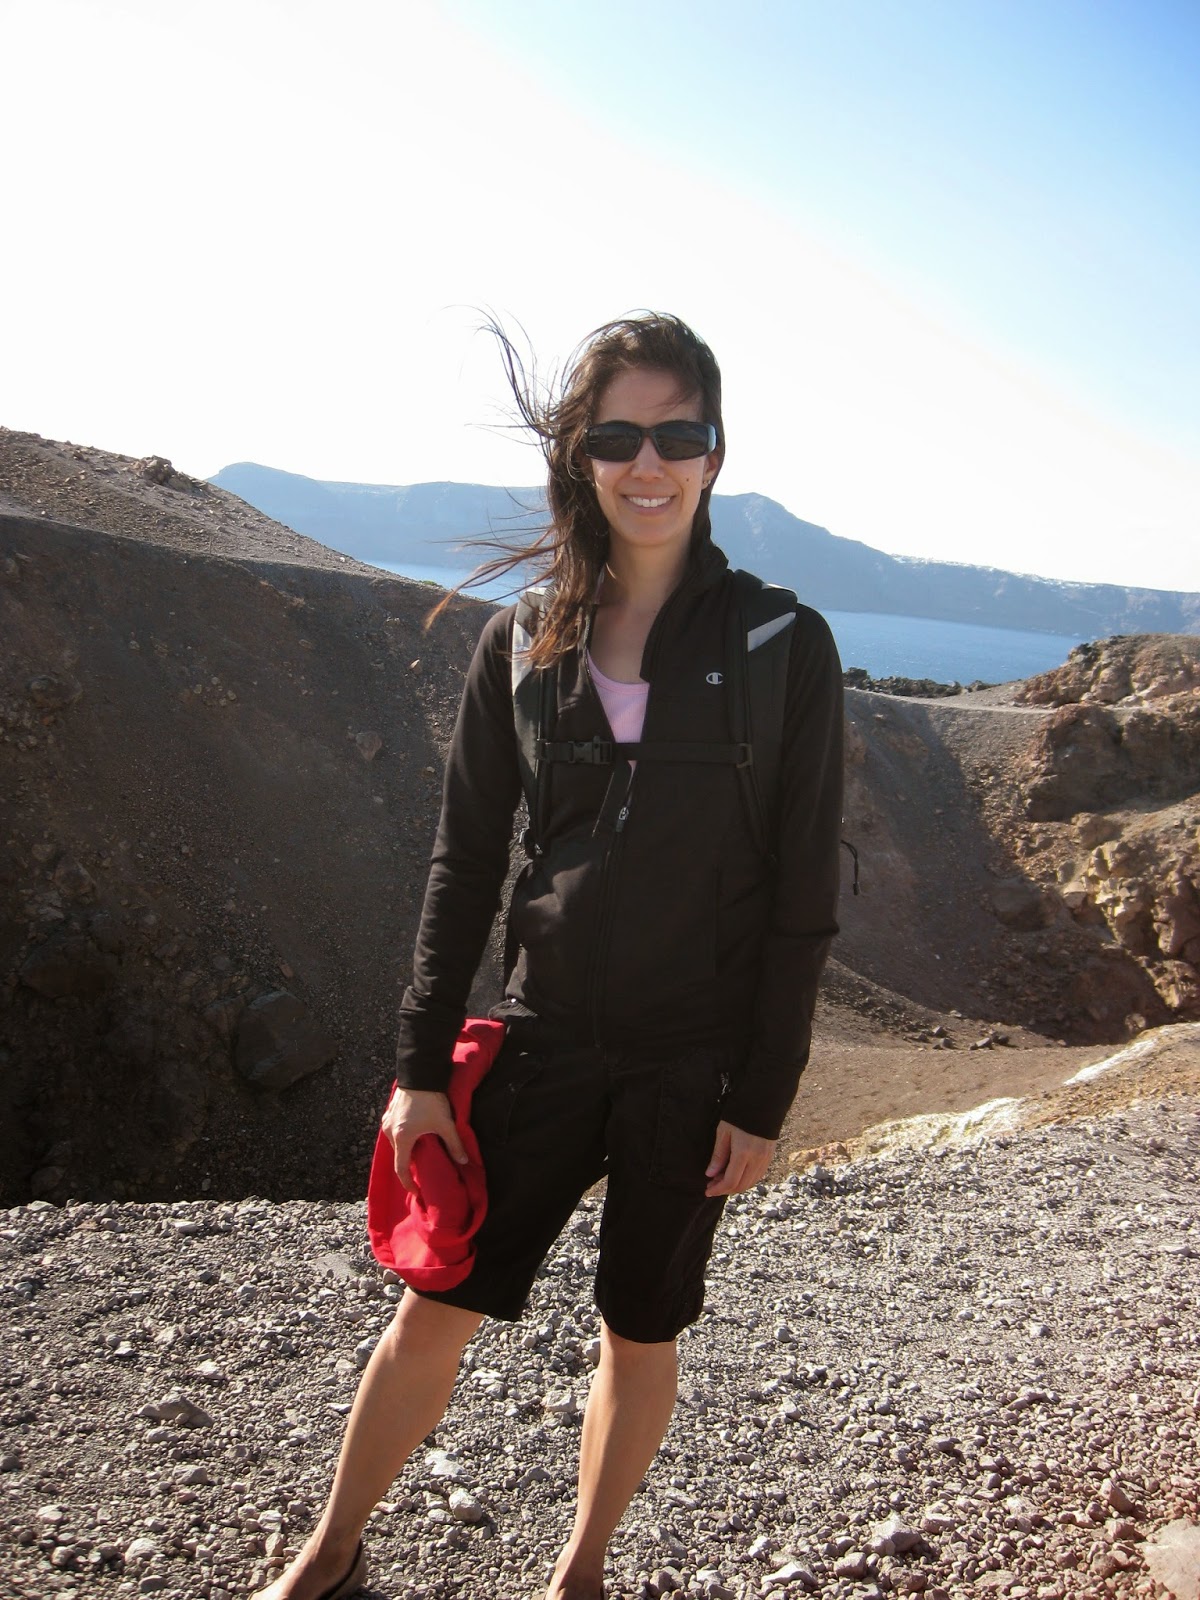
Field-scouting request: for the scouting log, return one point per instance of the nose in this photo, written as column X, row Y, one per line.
column 647, row 463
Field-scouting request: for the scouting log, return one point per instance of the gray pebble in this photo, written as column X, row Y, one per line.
column 464, row 1507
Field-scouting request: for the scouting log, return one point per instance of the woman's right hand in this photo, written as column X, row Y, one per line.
column 412, row 1113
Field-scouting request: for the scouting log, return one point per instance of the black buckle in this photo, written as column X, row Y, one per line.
column 745, row 755
column 595, row 752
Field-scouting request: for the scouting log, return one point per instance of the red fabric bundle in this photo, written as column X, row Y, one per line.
column 426, row 1236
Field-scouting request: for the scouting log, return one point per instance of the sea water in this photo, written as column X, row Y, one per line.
column 887, row 646
column 949, row 652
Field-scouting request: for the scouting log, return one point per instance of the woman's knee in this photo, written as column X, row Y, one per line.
column 632, row 1351
column 432, row 1323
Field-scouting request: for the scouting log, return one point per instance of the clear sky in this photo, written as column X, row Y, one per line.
column 946, row 250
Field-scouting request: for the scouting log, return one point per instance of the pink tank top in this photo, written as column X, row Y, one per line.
column 624, row 704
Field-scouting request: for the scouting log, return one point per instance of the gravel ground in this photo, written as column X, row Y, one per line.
column 963, row 1371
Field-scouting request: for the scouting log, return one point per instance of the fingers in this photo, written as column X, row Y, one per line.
column 720, row 1153
column 733, row 1180
column 720, row 1170
column 449, row 1137
column 402, row 1146
column 411, row 1115
column 740, row 1160
column 402, row 1161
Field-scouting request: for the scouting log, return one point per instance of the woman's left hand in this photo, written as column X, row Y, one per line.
column 739, row 1160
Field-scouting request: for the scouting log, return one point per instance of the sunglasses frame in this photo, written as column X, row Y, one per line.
column 657, row 436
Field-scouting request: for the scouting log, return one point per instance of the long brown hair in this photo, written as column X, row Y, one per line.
column 570, row 552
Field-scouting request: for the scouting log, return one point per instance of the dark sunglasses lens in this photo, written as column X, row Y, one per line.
column 674, row 441
column 612, row 441
column 684, row 441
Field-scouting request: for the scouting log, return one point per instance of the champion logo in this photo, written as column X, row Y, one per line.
column 714, row 677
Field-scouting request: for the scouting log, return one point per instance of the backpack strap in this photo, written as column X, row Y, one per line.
column 767, row 614
column 758, row 659
column 532, row 688
column 531, row 715
column 597, row 752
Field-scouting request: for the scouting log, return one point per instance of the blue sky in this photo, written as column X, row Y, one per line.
column 1028, row 172
column 945, row 251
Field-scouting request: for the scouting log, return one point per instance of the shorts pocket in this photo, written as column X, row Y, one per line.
column 689, row 1107
column 495, row 1101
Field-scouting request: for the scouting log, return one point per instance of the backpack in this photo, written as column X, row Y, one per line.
column 756, row 664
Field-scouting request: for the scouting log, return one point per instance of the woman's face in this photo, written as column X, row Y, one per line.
column 649, row 502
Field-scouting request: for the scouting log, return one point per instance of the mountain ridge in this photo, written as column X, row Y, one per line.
column 424, row 522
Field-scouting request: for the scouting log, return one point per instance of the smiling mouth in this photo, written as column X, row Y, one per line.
column 650, row 504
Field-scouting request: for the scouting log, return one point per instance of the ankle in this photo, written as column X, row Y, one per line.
column 562, row 1587
column 330, row 1546
column 578, row 1572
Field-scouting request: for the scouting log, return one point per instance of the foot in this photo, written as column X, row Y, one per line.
column 568, row 1585
column 319, row 1572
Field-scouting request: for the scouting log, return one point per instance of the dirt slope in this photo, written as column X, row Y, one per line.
column 191, row 823
column 149, row 501
column 960, row 905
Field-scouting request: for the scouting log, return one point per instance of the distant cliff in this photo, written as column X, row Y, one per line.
column 423, row 523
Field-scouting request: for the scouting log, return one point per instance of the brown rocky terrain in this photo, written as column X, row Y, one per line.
column 953, row 1369
column 1114, row 780
column 220, row 747
column 219, row 763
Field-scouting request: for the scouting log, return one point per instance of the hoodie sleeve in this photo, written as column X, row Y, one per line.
column 803, row 920
column 468, row 867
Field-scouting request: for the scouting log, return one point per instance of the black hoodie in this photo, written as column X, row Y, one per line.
column 664, row 926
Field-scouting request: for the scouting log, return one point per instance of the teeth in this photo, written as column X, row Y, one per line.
column 640, row 500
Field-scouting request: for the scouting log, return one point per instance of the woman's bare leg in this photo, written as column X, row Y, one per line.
column 402, row 1396
column 628, row 1409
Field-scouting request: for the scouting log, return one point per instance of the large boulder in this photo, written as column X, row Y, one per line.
column 1023, row 906
column 1089, row 758
column 67, row 965
column 278, row 1042
column 1074, row 764
column 1177, row 918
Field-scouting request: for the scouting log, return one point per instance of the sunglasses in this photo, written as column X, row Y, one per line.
column 674, row 441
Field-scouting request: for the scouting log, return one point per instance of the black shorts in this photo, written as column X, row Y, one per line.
column 551, row 1121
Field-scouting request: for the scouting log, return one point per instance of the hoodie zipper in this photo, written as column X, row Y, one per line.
column 598, row 964
column 608, row 882
column 612, row 853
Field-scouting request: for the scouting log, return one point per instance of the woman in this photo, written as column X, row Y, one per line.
column 666, row 966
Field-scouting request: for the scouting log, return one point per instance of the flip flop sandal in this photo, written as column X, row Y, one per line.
column 354, row 1580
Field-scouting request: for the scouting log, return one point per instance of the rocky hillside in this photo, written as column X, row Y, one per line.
column 1033, row 862
column 220, row 748
column 220, row 755
column 1144, row 670
column 1113, row 777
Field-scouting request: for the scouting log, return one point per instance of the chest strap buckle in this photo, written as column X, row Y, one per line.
column 594, row 752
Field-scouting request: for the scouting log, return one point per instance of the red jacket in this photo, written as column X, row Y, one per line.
column 426, row 1236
